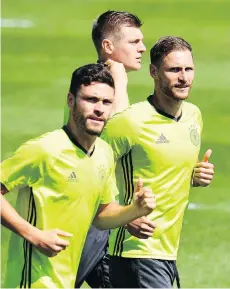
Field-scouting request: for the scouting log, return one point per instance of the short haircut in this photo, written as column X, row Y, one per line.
column 89, row 73
column 109, row 23
column 165, row 45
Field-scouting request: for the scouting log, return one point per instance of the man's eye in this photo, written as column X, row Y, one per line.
column 107, row 102
column 92, row 99
column 174, row 69
column 189, row 69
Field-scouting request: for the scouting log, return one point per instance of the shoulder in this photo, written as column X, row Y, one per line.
column 134, row 113
column 104, row 148
column 128, row 121
column 191, row 108
column 48, row 143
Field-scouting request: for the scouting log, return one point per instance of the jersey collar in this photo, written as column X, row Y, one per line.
column 76, row 143
column 162, row 112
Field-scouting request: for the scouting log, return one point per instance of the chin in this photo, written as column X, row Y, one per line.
column 181, row 96
column 133, row 68
column 94, row 132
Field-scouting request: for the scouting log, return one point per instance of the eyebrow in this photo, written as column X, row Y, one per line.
column 95, row 96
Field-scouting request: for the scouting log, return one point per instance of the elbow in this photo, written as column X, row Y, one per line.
column 99, row 225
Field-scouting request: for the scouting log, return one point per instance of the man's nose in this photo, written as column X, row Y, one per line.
column 182, row 76
column 142, row 47
column 99, row 108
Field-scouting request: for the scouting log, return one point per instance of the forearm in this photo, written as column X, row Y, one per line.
column 121, row 99
column 114, row 216
column 13, row 221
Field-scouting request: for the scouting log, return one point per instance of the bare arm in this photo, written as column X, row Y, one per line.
column 142, row 228
column 112, row 215
column 46, row 242
column 121, row 99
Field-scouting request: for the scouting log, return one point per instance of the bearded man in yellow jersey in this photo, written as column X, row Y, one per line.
column 64, row 179
column 158, row 139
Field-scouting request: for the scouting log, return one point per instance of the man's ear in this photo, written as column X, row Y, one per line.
column 70, row 100
column 107, row 46
column 153, row 70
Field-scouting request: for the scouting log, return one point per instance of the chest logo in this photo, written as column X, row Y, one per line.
column 72, row 177
column 162, row 139
column 194, row 135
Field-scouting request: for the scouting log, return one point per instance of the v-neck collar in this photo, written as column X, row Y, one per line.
column 75, row 142
column 162, row 112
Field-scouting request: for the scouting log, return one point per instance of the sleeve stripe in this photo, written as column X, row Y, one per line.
column 127, row 167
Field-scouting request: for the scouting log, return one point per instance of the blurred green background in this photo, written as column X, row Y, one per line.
column 47, row 40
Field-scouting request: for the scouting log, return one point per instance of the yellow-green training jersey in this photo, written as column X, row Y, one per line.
column 152, row 145
column 59, row 186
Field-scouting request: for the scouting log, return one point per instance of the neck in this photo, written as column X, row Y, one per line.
column 167, row 104
column 104, row 58
column 86, row 140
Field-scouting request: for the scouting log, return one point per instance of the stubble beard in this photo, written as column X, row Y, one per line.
column 168, row 91
column 80, row 122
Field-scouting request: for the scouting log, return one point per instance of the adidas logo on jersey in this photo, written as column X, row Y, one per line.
column 162, row 139
column 72, row 177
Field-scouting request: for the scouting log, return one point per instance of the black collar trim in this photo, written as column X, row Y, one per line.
column 76, row 143
column 162, row 112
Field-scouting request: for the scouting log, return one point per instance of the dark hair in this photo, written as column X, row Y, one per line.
column 165, row 45
column 109, row 23
column 89, row 73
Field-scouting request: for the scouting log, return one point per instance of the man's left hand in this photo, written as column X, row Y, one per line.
column 203, row 171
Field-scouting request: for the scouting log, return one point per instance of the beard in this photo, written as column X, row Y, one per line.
column 81, row 122
column 172, row 92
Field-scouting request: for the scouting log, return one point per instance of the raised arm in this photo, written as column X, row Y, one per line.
column 121, row 99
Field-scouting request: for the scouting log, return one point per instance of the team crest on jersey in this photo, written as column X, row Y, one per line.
column 194, row 135
column 101, row 172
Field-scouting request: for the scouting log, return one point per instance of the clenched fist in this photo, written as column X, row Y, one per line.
column 203, row 171
column 144, row 199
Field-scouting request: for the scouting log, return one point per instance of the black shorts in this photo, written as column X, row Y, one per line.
column 93, row 267
column 142, row 273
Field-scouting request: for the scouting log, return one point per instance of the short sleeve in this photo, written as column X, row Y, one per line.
column 121, row 133
column 24, row 167
column 110, row 190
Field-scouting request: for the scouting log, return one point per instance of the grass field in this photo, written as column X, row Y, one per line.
column 37, row 63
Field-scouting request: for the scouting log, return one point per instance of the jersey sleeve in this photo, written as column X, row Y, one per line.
column 24, row 167
column 110, row 190
column 121, row 133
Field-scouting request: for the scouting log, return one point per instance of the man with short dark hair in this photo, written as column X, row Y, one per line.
column 159, row 140
column 117, row 36
column 65, row 179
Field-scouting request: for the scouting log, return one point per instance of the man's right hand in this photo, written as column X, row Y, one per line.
column 144, row 200
column 142, row 228
column 49, row 243
column 118, row 72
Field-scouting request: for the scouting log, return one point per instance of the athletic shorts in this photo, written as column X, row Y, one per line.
column 93, row 266
column 142, row 273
